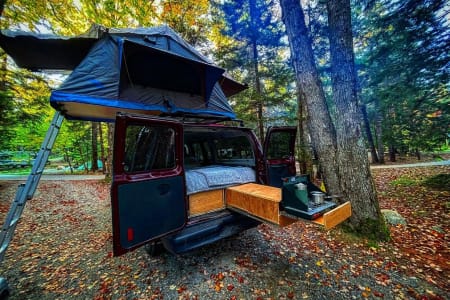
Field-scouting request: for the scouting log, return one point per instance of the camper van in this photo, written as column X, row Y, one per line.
column 170, row 179
column 183, row 176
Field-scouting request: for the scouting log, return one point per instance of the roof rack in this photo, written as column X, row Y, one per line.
column 203, row 119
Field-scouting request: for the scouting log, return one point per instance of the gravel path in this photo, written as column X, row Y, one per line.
column 413, row 165
column 62, row 250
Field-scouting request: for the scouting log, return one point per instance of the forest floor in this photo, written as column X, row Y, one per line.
column 63, row 250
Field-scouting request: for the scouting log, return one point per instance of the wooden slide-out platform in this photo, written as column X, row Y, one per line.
column 263, row 202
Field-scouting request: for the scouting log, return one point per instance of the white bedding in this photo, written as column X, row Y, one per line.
column 214, row 177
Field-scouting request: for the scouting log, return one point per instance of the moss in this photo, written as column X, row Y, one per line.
column 373, row 230
column 438, row 182
column 404, row 181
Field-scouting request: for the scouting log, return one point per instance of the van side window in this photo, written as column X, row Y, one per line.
column 279, row 145
column 149, row 148
column 233, row 148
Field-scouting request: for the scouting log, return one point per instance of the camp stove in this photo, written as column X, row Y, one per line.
column 301, row 198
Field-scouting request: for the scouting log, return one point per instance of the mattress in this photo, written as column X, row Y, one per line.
column 216, row 177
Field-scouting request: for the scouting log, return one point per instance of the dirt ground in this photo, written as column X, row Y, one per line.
column 63, row 250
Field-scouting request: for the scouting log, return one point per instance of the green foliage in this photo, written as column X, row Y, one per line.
column 402, row 56
column 7, row 119
column 404, row 181
column 438, row 182
column 24, row 95
column 403, row 53
column 249, row 39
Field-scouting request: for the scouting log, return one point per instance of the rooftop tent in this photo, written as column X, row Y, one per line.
column 145, row 70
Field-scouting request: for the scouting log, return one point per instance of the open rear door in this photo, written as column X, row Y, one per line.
column 279, row 154
column 148, row 189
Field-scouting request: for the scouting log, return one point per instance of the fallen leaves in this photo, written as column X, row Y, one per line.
column 63, row 249
column 421, row 245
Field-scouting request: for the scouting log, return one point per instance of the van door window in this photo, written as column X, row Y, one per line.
column 234, row 150
column 149, row 148
column 279, row 154
column 148, row 188
column 279, row 146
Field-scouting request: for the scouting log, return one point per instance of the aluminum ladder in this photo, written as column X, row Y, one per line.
column 25, row 191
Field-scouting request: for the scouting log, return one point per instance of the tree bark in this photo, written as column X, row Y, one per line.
column 354, row 172
column 341, row 152
column 259, row 101
column 94, row 166
column 373, row 150
column 304, row 153
column 392, row 153
column 102, row 147
column 3, row 68
column 109, row 159
column 379, row 133
column 417, row 152
column 319, row 122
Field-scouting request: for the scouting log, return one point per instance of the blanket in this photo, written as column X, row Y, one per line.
column 214, row 177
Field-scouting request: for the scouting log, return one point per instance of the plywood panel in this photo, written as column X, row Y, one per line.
column 257, row 200
column 335, row 216
column 263, row 202
column 205, row 202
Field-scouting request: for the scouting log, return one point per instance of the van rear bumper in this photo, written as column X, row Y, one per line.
column 212, row 229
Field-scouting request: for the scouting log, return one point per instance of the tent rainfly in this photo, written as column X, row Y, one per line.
column 144, row 70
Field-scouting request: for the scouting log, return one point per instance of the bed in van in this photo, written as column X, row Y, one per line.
column 170, row 179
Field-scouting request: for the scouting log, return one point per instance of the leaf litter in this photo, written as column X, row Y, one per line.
column 62, row 249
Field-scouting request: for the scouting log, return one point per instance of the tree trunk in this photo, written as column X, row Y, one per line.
column 392, row 152
column 373, row 150
column 84, row 158
column 304, row 155
column 67, row 159
column 109, row 159
column 379, row 133
column 259, row 100
column 102, row 147
column 354, row 172
column 3, row 68
column 319, row 122
column 94, row 137
column 417, row 152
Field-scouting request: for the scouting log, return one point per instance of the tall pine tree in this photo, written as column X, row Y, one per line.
column 258, row 30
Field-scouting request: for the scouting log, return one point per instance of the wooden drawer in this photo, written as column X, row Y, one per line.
column 260, row 201
column 205, row 202
column 263, row 202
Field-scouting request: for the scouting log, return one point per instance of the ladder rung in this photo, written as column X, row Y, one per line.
column 13, row 222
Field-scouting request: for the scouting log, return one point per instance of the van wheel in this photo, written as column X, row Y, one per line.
column 154, row 248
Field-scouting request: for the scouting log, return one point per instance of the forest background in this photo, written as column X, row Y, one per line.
column 402, row 51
